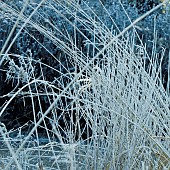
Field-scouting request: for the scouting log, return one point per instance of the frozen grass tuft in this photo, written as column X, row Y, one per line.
column 98, row 99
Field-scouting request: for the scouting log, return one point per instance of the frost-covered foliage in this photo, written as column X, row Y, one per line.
column 87, row 91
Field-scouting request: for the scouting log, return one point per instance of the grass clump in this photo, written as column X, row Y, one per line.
column 93, row 95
